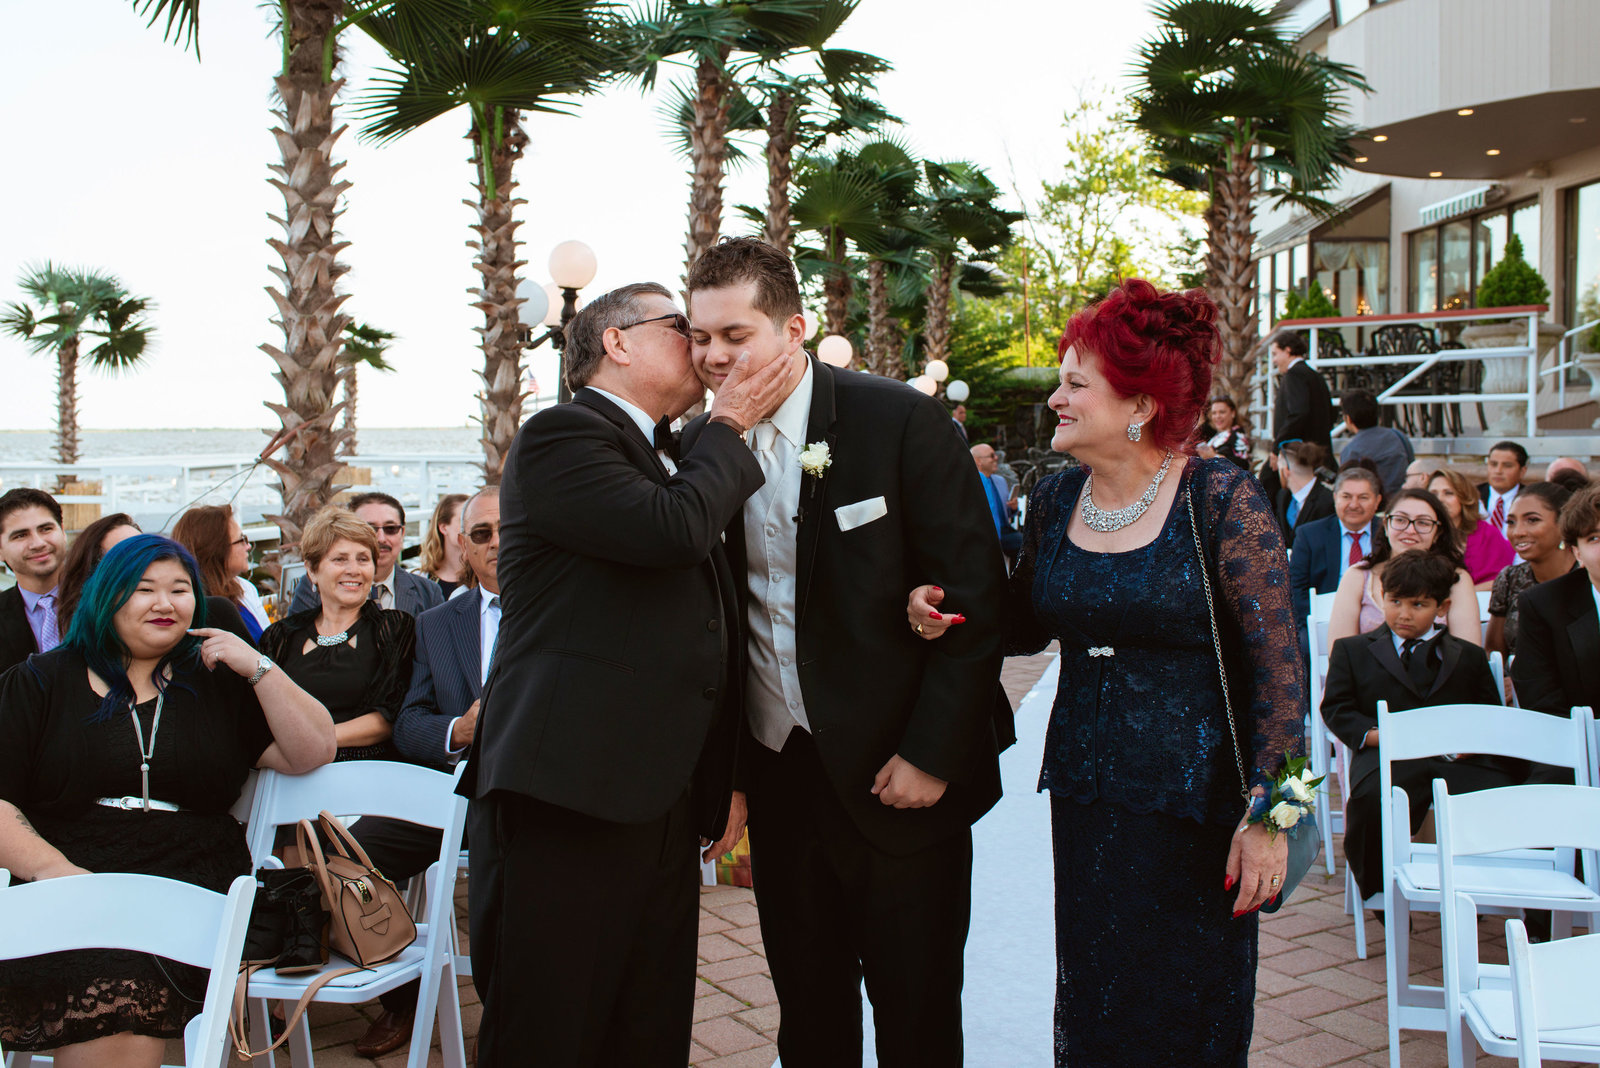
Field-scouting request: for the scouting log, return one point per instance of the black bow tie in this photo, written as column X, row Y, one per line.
column 665, row 440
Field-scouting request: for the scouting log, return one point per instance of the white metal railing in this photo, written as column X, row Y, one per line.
column 1564, row 362
column 1420, row 363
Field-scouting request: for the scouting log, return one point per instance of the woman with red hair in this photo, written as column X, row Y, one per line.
column 1155, row 570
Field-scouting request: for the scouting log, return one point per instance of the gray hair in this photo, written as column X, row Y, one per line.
column 486, row 492
column 1358, row 474
column 585, row 334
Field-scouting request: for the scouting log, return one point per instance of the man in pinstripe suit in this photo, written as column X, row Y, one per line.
column 455, row 641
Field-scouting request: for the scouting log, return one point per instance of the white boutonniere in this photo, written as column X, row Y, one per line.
column 814, row 459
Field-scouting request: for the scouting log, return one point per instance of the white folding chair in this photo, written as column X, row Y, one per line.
column 1411, row 870
column 1475, row 831
column 144, row 914
column 1322, row 753
column 398, row 791
column 1550, row 1009
column 1483, row 614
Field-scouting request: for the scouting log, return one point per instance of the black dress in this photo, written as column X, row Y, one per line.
column 1152, row 968
column 53, row 764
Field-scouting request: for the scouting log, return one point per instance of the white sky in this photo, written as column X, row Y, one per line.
column 129, row 156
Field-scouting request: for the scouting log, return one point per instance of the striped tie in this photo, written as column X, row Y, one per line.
column 1498, row 516
column 49, row 627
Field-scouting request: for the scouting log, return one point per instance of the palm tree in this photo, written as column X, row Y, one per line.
column 363, row 344
column 307, row 295
column 962, row 216
column 722, row 42
column 839, row 202
column 896, row 176
column 1222, row 95
column 73, row 304
column 497, row 59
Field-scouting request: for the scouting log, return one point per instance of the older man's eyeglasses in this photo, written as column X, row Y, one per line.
column 483, row 534
column 679, row 321
column 1421, row 524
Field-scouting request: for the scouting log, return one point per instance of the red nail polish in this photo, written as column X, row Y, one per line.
column 1236, row 915
column 960, row 619
column 934, row 615
column 1227, row 884
column 938, row 589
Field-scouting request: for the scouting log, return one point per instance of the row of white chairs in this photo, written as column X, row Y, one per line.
column 184, row 922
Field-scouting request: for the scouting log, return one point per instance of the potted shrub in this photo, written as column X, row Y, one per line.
column 1512, row 282
column 1314, row 303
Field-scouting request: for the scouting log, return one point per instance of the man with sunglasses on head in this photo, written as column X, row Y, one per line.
column 608, row 726
column 392, row 585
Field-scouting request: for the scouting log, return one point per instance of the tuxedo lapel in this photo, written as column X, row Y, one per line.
column 1584, row 633
column 1450, row 656
column 629, row 428
column 814, row 490
column 1381, row 642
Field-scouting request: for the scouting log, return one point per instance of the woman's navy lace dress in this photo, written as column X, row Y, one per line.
column 1152, row 968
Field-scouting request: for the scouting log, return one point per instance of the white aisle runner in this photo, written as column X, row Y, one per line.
column 1008, row 1002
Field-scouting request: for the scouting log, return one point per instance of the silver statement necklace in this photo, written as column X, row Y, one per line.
column 1109, row 522
column 146, row 754
column 329, row 640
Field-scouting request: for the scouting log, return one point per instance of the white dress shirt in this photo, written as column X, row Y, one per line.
column 1345, row 535
column 770, row 540
column 1400, row 643
column 641, row 419
column 384, row 592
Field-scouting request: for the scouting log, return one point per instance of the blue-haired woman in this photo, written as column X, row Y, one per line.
column 139, row 683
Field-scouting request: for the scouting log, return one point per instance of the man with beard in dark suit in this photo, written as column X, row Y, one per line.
column 608, row 725
column 873, row 751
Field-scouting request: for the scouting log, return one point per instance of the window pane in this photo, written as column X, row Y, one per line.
column 1455, row 265
column 1491, row 241
column 1525, row 224
column 1263, row 295
column 1280, row 282
column 1425, row 271
column 1346, row 10
column 1583, row 257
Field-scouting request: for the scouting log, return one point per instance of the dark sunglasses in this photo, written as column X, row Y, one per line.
column 680, row 322
column 388, row 529
column 483, row 535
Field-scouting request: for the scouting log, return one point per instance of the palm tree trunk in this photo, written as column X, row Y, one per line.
column 500, row 402
column 782, row 134
column 1236, row 274
column 350, row 395
column 67, row 402
column 936, row 320
column 836, row 283
column 309, row 367
column 708, row 148
column 882, row 351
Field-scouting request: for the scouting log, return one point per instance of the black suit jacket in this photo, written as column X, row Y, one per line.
column 1303, row 408
column 619, row 658
column 1319, row 505
column 1557, row 665
column 1314, row 564
column 17, row 642
column 872, row 688
column 445, row 679
column 1365, row 668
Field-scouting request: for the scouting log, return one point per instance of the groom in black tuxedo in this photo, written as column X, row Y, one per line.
column 873, row 752
column 608, row 724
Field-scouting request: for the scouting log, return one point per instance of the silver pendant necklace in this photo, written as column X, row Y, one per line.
column 146, row 754
column 1110, row 522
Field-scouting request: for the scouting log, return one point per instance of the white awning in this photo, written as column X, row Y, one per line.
column 1471, row 200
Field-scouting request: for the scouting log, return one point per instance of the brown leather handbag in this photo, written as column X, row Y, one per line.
column 368, row 922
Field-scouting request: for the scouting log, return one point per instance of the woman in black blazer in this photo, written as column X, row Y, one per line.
column 1557, row 665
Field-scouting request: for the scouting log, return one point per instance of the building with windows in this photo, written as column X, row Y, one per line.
column 1483, row 122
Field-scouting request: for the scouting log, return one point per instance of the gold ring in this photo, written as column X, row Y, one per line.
column 1274, row 880
column 917, row 627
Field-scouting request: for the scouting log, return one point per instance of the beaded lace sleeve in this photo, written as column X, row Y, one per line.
column 1253, row 579
column 1024, row 635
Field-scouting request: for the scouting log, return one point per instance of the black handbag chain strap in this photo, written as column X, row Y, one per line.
column 1216, row 638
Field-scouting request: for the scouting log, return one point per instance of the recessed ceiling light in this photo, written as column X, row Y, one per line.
column 1380, row 137
column 1579, row 118
column 1463, row 111
column 1361, row 159
column 1436, row 174
column 1492, row 152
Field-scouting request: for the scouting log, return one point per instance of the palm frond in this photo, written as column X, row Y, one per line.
column 183, row 20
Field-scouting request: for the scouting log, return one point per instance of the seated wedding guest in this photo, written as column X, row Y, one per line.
column 1001, row 503
column 1418, row 472
column 1326, row 548
column 33, row 546
column 1568, row 464
column 1570, row 479
column 392, row 585
column 1388, row 449
column 1303, row 498
column 1507, row 463
column 455, row 642
column 1408, row 661
column 223, row 552
column 139, row 674
column 90, row 546
column 1415, row 520
column 345, row 651
column 441, row 551
column 1558, row 632
column 1221, row 435
column 1534, row 527
column 1485, row 552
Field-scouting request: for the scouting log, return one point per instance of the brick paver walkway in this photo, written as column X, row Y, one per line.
column 1316, row 1004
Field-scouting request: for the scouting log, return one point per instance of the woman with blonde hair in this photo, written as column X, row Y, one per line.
column 1484, row 550
column 441, row 551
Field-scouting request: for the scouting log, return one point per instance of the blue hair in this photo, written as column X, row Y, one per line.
column 93, row 631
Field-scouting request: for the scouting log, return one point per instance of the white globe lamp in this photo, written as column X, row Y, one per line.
column 535, row 304
column 957, row 391
column 813, row 324
column 937, row 370
column 572, row 265
column 552, row 304
column 835, row 351
column 923, row 384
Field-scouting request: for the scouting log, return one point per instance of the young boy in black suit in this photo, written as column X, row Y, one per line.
column 1410, row 662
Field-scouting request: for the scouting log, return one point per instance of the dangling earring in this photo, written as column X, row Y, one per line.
column 1135, row 431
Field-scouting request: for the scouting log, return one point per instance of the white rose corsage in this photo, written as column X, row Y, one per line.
column 814, row 459
column 1291, row 799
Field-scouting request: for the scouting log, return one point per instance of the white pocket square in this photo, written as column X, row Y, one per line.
column 861, row 513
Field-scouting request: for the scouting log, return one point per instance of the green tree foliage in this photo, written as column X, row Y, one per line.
column 1513, row 281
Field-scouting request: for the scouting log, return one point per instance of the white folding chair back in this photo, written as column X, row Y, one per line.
column 1497, row 668
column 244, row 807
column 1483, row 614
column 1322, row 750
column 399, row 791
column 144, row 914
column 1474, row 832
column 1546, row 1007
column 1411, row 871
column 1592, row 729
